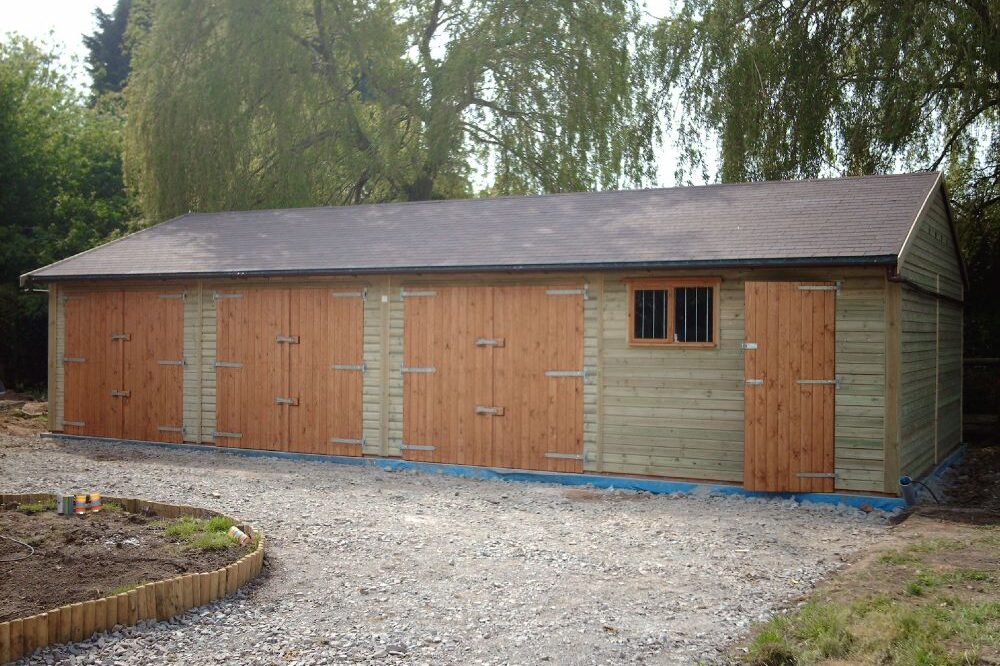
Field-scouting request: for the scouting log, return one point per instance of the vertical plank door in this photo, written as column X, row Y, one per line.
column 447, row 374
column 153, row 365
column 790, row 385
column 92, row 360
column 538, row 378
column 251, row 368
column 326, row 371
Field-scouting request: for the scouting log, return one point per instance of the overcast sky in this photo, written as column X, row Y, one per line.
column 63, row 23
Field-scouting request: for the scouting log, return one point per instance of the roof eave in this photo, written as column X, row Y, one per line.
column 873, row 260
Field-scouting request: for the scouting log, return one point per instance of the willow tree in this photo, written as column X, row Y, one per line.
column 811, row 87
column 260, row 103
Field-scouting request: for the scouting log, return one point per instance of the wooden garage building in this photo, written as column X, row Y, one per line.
column 787, row 336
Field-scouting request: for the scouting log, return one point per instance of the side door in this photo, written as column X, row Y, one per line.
column 790, row 385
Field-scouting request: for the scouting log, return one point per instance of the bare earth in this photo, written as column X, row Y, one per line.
column 373, row 566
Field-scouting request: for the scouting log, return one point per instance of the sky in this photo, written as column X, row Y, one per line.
column 63, row 23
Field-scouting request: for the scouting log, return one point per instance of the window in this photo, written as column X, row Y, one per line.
column 681, row 312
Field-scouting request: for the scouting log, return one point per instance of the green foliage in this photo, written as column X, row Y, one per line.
column 61, row 190
column 811, row 87
column 122, row 589
column 201, row 534
column 237, row 104
column 108, row 60
column 31, row 508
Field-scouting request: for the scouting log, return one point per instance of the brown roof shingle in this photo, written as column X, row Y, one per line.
column 844, row 220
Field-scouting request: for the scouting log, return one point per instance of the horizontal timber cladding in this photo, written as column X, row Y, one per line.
column 930, row 257
column 122, row 356
column 930, row 380
column 289, row 368
column 652, row 411
column 679, row 412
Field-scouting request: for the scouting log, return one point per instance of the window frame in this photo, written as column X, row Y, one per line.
column 671, row 285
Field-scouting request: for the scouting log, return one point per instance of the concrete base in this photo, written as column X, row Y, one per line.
column 602, row 481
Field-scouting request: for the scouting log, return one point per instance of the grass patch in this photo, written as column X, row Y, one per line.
column 936, row 613
column 31, row 508
column 113, row 507
column 122, row 589
column 201, row 534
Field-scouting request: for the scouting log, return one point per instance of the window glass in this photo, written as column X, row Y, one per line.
column 650, row 319
column 693, row 308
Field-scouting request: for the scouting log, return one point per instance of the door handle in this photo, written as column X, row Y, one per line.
column 489, row 411
column 120, row 394
column 489, row 342
column 286, row 401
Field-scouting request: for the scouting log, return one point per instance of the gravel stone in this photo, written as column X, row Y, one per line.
column 368, row 566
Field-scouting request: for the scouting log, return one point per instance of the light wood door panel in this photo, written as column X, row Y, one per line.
column 789, row 396
column 326, row 371
column 251, row 370
column 448, row 375
column 152, row 366
column 92, row 360
column 536, row 380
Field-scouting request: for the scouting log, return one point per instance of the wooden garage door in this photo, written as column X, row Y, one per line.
column 92, row 362
column 538, row 378
column 493, row 376
column 153, row 366
column 123, row 360
column 790, row 386
column 290, row 369
column 326, row 371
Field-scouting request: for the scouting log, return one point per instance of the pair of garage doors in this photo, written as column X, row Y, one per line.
column 123, row 365
column 289, row 369
column 493, row 376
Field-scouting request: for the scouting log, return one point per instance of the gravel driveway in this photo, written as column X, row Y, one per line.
column 374, row 566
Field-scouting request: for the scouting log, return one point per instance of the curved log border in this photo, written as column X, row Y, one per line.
column 160, row 600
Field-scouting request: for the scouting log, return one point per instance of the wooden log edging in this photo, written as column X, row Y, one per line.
column 159, row 600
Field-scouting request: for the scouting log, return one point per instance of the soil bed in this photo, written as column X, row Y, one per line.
column 87, row 557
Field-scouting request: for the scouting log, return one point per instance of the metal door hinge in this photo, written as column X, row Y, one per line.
column 822, row 287
column 361, row 367
column 417, row 371
column 563, row 456
column 489, row 342
column 167, row 362
column 406, row 293
column 120, row 394
column 345, row 440
column 363, row 294
column 179, row 429
column 816, row 475
column 286, row 401
column 74, row 359
column 217, row 295
column 585, row 373
column 182, row 296
column 583, row 291
column 228, row 364
column 827, row 382
column 417, row 447
column 228, row 435
column 492, row 411
column 290, row 339
column 121, row 336
column 755, row 382
column 748, row 345
column 74, row 424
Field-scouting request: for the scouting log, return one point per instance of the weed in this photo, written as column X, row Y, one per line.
column 937, row 545
column 184, row 527
column 212, row 541
column 122, row 589
column 112, row 507
column 897, row 558
column 219, row 524
column 31, row 508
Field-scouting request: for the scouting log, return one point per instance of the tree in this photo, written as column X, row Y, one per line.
column 109, row 60
column 248, row 104
column 61, row 191
column 802, row 88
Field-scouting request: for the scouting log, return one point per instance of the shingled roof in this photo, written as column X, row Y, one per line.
column 808, row 222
